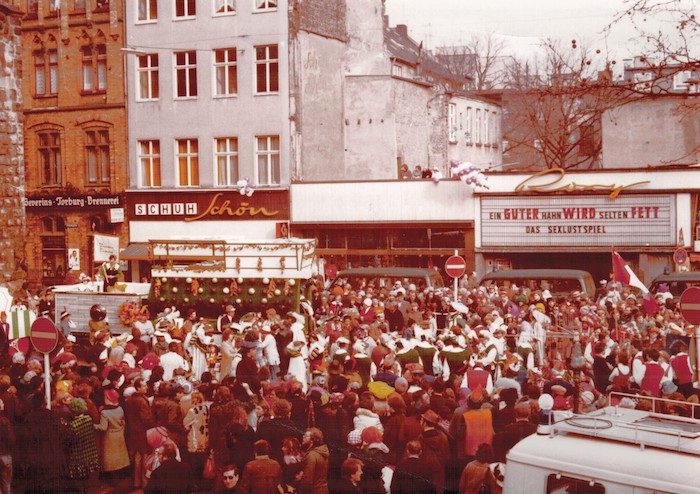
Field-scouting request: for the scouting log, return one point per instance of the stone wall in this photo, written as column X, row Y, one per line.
column 12, row 219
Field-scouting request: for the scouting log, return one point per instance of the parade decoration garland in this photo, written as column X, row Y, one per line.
column 182, row 247
column 204, row 295
column 128, row 312
column 469, row 174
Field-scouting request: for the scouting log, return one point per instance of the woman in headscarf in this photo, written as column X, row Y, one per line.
column 115, row 455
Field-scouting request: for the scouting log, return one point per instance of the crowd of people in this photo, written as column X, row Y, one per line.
column 368, row 389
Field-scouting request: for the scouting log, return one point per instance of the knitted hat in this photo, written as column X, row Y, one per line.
column 371, row 435
column 111, row 396
column 77, row 406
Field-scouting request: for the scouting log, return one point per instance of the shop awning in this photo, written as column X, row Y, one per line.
column 135, row 252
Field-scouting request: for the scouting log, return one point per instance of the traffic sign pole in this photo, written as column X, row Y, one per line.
column 47, row 381
column 455, row 266
column 44, row 336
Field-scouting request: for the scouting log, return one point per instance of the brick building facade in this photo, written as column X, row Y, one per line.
column 12, row 222
column 75, row 134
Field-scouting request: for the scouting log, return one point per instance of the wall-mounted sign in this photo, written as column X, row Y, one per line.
column 105, row 246
column 554, row 180
column 71, row 202
column 116, row 215
column 578, row 221
column 207, row 205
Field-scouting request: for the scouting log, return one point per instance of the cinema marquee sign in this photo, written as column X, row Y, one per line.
column 208, row 206
column 578, row 221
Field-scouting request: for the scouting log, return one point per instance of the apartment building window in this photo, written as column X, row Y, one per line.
column 185, row 9
column 147, row 10
column 187, row 155
column 46, row 73
column 680, row 80
column 224, row 7
column 97, row 151
column 147, row 70
column 78, row 5
column 50, row 157
column 266, row 69
column 470, row 126
column 486, row 122
column 186, row 74
column 267, row 154
column 477, row 127
column 452, row 122
column 226, row 70
column 494, row 129
column 33, row 9
column 149, row 162
column 94, row 68
column 265, row 5
column 101, row 5
column 53, row 8
column 226, row 158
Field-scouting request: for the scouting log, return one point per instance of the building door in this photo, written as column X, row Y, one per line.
column 53, row 251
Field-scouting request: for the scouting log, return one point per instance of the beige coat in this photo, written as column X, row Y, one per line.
column 114, row 453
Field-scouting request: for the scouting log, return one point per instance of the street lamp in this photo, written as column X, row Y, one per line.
column 578, row 363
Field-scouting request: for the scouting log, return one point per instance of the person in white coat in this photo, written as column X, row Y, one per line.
column 297, row 327
column 197, row 343
column 298, row 354
column 271, row 355
column 172, row 360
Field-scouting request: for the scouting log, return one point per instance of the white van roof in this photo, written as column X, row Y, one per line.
column 619, row 445
column 609, row 462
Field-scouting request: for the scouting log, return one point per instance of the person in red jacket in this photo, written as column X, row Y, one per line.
column 683, row 371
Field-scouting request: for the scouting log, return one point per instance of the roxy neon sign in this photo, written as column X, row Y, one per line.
column 558, row 183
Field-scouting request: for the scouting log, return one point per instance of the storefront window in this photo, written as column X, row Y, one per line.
column 53, row 252
column 333, row 239
column 411, row 238
column 367, row 239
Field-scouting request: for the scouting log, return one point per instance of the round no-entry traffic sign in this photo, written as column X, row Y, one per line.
column 455, row 266
column 689, row 305
column 44, row 335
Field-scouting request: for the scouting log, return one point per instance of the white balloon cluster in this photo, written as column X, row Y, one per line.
column 469, row 174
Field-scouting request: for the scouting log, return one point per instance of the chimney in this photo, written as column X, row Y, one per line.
column 402, row 29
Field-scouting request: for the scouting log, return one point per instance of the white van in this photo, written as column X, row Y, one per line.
column 611, row 451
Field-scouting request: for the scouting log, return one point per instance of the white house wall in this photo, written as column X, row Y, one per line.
column 207, row 117
column 320, row 109
column 651, row 132
column 383, row 201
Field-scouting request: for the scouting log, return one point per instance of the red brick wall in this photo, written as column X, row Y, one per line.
column 70, row 113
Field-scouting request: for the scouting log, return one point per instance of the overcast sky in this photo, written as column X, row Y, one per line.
column 521, row 22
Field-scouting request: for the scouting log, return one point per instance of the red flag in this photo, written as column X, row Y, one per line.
column 622, row 273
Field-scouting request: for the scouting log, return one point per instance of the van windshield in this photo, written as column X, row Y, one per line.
column 675, row 287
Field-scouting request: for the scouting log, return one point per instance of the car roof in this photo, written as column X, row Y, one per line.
column 686, row 276
column 535, row 273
